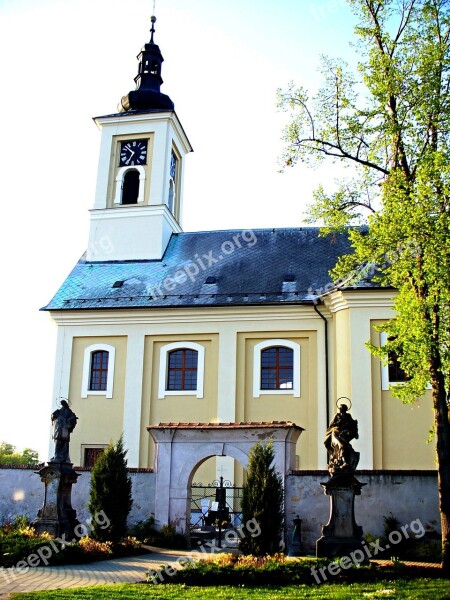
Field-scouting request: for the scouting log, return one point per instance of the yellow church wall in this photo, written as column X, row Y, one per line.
column 179, row 408
column 95, row 411
column 401, row 430
column 341, row 357
column 282, row 407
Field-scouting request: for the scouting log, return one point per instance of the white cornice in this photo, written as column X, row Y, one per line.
column 132, row 211
column 360, row 299
column 147, row 117
column 187, row 315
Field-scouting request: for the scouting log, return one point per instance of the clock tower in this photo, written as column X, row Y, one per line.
column 138, row 201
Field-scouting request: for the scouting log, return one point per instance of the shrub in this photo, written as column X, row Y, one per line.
column 144, row 530
column 262, row 499
column 111, row 493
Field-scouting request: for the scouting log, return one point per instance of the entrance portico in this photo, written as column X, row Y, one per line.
column 182, row 447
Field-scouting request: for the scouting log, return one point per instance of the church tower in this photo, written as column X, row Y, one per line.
column 138, row 201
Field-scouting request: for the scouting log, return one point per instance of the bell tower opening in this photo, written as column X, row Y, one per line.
column 130, row 188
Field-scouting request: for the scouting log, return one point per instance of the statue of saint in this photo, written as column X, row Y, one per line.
column 342, row 429
column 64, row 421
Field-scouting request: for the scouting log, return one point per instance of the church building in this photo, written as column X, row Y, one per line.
column 157, row 325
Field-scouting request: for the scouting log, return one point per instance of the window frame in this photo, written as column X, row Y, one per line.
column 85, row 391
column 121, row 172
column 264, row 345
column 385, row 383
column 85, row 447
column 164, row 365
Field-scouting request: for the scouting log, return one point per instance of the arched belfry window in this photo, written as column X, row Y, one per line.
column 130, row 187
column 276, row 368
column 173, row 182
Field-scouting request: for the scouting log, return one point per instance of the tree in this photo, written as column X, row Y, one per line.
column 110, row 493
column 392, row 124
column 10, row 456
column 262, row 500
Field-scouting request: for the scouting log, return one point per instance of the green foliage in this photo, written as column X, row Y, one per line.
column 391, row 124
column 262, row 500
column 10, row 456
column 167, row 537
column 278, row 570
column 399, row 589
column 143, row 530
column 111, row 493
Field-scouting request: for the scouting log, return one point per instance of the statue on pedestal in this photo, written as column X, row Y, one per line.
column 341, row 534
column 56, row 515
column 342, row 429
column 64, row 421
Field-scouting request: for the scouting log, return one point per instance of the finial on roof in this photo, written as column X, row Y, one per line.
column 152, row 30
column 147, row 95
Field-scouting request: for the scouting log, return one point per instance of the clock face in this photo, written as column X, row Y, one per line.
column 133, row 152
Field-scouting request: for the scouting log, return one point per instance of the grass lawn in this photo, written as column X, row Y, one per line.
column 416, row 589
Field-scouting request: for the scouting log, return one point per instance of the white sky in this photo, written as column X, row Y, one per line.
column 65, row 61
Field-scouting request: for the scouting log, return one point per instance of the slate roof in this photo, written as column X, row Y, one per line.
column 262, row 266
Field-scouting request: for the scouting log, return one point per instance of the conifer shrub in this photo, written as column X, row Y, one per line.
column 262, row 499
column 110, row 492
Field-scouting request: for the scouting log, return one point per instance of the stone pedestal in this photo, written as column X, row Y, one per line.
column 57, row 515
column 341, row 535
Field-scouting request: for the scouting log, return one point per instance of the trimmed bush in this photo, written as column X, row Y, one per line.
column 262, row 499
column 111, row 493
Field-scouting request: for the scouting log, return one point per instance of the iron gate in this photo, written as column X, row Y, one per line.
column 215, row 508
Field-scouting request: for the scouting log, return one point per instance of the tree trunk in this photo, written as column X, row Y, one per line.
column 443, row 457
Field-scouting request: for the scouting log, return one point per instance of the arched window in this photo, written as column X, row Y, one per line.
column 182, row 369
column 130, row 189
column 98, row 371
column 170, row 202
column 276, row 368
column 121, row 186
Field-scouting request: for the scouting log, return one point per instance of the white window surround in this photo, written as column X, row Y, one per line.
column 119, row 182
column 385, row 383
column 163, row 364
column 85, row 391
column 257, row 391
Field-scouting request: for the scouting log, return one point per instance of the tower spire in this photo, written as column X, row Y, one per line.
column 152, row 30
column 147, row 95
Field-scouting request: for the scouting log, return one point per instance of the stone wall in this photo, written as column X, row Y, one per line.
column 408, row 495
column 22, row 493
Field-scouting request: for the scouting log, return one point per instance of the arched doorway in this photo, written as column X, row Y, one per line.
column 215, row 501
column 182, row 447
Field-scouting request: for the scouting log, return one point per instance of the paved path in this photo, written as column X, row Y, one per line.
column 119, row 570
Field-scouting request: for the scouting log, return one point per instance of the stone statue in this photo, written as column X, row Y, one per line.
column 342, row 429
column 64, row 421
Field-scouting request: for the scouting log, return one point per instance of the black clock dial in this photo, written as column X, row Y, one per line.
column 133, row 152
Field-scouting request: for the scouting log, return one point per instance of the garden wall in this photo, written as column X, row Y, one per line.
column 408, row 495
column 22, row 493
